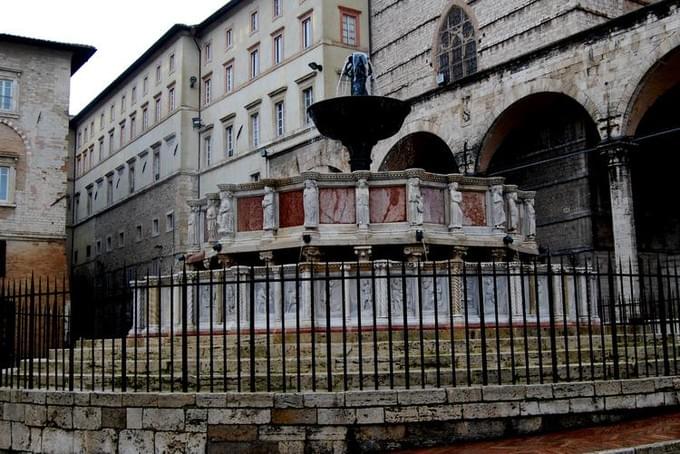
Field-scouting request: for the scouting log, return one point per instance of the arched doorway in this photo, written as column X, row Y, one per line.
column 420, row 150
column 655, row 161
column 544, row 143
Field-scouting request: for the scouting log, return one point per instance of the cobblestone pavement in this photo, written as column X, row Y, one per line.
column 639, row 432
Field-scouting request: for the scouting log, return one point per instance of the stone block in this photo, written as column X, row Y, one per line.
column 235, row 432
column 289, row 400
column 539, row 392
column 334, row 447
column 671, row 399
column 57, row 441
column 135, row 441
column 370, row 415
column 336, row 416
column 664, row 384
column 211, row 400
column 490, row 410
column 325, row 400
column 401, row 415
column 327, row 433
column 100, row 399
column 463, row 395
column 59, row 398
column 21, row 396
column 13, row 412
column 640, row 386
column 104, row 440
column 170, row 442
column 35, row 415
column 176, row 400
column 440, row 412
column 649, row 400
column 370, row 398
column 282, row 433
column 607, row 388
column 61, row 417
column 36, row 439
column 250, row 400
column 239, row 416
column 21, row 437
column 5, row 395
column 81, row 399
column 245, row 447
column 87, row 418
column 134, row 418
column 291, row 447
column 145, row 400
column 586, row 404
column 554, row 407
column 619, row 402
column 503, row 393
column 114, row 418
column 163, row 419
column 39, row 396
column 422, row 396
column 293, row 416
column 5, row 435
column 529, row 409
column 526, row 426
column 196, row 420
column 565, row 390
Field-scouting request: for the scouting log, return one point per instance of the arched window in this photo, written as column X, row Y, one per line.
column 457, row 47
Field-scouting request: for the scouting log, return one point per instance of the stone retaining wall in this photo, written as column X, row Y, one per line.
column 52, row 421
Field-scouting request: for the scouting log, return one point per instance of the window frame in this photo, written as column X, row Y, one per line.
column 356, row 14
column 278, row 51
column 304, row 18
column 255, row 129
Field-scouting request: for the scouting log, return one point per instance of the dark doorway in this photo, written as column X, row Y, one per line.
column 420, row 150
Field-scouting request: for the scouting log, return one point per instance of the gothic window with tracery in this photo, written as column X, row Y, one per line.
column 457, row 47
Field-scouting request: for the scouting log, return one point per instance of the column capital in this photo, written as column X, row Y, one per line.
column 617, row 151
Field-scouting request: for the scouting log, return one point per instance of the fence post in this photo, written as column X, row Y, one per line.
column 551, row 314
column 123, row 320
column 252, row 329
column 663, row 319
column 612, row 317
column 31, row 331
column 185, row 352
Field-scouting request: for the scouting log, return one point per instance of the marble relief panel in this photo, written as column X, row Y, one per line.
column 474, row 208
column 249, row 214
column 337, row 206
column 388, row 205
column 291, row 209
column 435, row 211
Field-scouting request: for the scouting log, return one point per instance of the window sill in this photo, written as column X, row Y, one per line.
column 9, row 114
column 7, row 205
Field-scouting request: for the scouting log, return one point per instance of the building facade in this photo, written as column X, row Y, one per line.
column 570, row 99
column 34, row 136
column 220, row 102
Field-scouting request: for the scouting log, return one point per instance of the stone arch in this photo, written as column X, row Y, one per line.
column 19, row 132
column 468, row 17
column 421, row 150
column 13, row 154
column 496, row 122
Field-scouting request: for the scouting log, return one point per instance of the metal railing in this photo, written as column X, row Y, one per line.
column 342, row 326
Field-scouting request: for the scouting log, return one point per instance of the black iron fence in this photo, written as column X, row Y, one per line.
column 341, row 326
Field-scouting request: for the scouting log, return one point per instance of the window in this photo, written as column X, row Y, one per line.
column 158, row 74
column 277, row 8
column 111, row 149
column 349, row 27
column 121, row 239
column 207, row 91
column 254, row 21
column 4, row 184
column 122, row 105
column 306, row 24
column 79, row 141
column 307, row 100
column 89, row 203
column 229, row 78
column 101, row 149
column 112, row 114
column 280, row 118
column 229, row 38
column 207, row 51
column 6, row 94
column 156, row 164
column 456, row 55
column 171, row 99
column 138, row 233
column 133, row 126
column 109, row 244
column 145, row 85
column 207, row 147
column 278, row 48
column 98, row 247
column 133, row 95
column 171, row 63
column 254, row 63
column 131, row 177
column 122, row 133
column 145, row 118
column 155, row 231
column 255, row 130
column 169, row 222
column 88, row 251
column 109, row 190
column 229, row 141
column 255, row 177
column 157, row 110
column 85, row 134
column 101, row 121
column 76, row 207
column 3, row 258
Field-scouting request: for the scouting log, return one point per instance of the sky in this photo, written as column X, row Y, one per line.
column 121, row 30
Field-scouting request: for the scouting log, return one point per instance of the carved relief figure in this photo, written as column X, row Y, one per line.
column 513, row 212
column 269, row 214
column 362, row 197
column 310, row 198
column 191, row 226
column 530, row 218
column 211, row 220
column 415, row 202
column 456, row 201
column 498, row 206
column 225, row 219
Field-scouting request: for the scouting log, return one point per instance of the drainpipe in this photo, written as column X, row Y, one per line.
column 194, row 33
column 370, row 41
column 73, row 215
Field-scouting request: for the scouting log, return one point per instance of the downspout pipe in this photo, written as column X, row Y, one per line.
column 194, row 36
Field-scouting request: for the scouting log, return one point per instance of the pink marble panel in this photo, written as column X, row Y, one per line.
column 388, row 204
column 337, row 206
column 435, row 211
column 291, row 209
column 474, row 208
column 249, row 214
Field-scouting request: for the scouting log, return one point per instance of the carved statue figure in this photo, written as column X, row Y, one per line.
column 211, row 220
column 498, row 204
column 191, row 226
column 362, row 198
column 415, row 202
column 269, row 214
column 456, row 201
column 530, row 218
column 358, row 68
column 310, row 198
column 225, row 220
column 513, row 212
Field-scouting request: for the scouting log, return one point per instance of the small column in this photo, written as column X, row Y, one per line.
column 312, row 254
column 456, row 280
column 415, row 254
column 363, row 253
column 194, row 226
column 267, row 257
column 269, row 211
column 225, row 217
column 211, row 216
column 310, row 197
column 416, row 207
column 362, row 197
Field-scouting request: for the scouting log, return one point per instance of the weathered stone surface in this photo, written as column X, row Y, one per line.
column 490, row 410
column 529, row 408
column 5, row 435
column 35, row 415
column 61, row 417
column 235, row 432
column 528, row 425
column 289, row 400
column 324, row 400
column 586, row 404
column 114, row 418
column 294, row 416
column 135, row 441
column 87, row 418
column 250, row 400
column 539, row 391
column 140, row 400
column 638, row 386
column 619, row 402
column 106, row 399
column 211, row 400
column 196, row 420
column 176, row 400
column 282, row 433
column 554, row 407
column 104, row 440
column 326, row 433
column 649, row 400
column 461, row 395
column 13, row 412
column 239, row 416
column 57, row 441
column 169, row 442
column 134, row 418
column 562, row 390
column 370, row 415
column 336, row 416
column 21, row 437
column 60, row 398
column 607, row 388
column 370, row 398
column 503, row 393
column 422, row 397
column 163, row 419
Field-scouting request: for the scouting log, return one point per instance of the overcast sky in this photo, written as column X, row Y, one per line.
column 121, row 30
